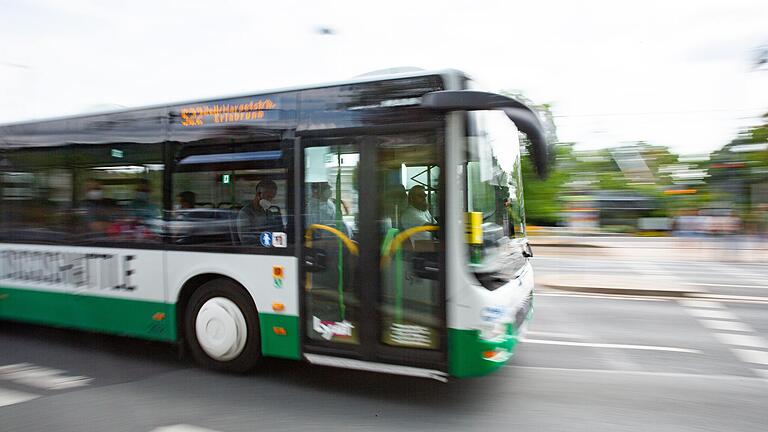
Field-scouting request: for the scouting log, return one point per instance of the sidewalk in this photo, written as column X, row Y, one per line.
column 745, row 254
column 635, row 287
column 618, row 285
column 741, row 249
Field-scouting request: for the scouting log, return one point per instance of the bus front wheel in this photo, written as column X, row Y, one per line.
column 222, row 327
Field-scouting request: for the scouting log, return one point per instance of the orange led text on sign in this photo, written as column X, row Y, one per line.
column 226, row 113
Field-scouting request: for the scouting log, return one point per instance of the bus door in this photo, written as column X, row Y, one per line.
column 373, row 288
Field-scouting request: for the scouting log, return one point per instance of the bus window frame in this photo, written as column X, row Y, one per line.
column 287, row 144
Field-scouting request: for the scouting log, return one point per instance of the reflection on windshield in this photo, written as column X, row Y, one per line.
column 494, row 192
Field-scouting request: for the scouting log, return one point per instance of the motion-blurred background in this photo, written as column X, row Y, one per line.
column 650, row 236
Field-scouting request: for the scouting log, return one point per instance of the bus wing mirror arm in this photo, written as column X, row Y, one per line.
column 526, row 120
column 527, row 251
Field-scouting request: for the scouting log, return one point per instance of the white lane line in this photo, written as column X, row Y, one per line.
column 726, row 325
column 751, row 356
column 732, row 298
column 41, row 377
column 555, row 335
column 701, row 304
column 606, row 345
column 708, row 313
column 10, row 397
column 640, row 373
column 181, row 428
column 704, row 296
column 741, row 340
column 725, row 285
column 601, row 296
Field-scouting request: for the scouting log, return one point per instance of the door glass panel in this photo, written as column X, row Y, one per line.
column 408, row 179
column 331, row 243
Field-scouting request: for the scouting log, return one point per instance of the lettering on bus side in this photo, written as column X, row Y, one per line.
column 76, row 270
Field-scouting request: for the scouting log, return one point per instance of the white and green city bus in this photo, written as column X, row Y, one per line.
column 374, row 224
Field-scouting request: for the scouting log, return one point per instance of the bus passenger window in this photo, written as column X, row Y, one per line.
column 230, row 195
column 35, row 196
column 118, row 199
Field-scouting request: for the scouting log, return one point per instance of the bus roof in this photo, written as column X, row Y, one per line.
column 361, row 79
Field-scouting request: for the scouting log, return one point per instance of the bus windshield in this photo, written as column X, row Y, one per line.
column 494, row 188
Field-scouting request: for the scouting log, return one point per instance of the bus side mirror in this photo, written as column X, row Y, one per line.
column 314, row 260
column 527, row 251
column 526, row 119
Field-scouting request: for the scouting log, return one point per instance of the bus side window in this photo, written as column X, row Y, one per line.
column 241, row 196
column 119, row 199
column 35, row 196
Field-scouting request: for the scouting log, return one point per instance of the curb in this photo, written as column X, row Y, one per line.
column 639, row 292
column 573, row 245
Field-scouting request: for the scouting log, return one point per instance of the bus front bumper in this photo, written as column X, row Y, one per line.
column 470, row 355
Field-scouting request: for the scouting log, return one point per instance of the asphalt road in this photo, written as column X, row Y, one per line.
column 590, row 362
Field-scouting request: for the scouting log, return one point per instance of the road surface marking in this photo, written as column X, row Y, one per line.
column 10, row 397
column 556, row 335
column 182, row 428
column 704, row 296
column 751, row 356
column 701, row 304
column 726, row 285
column 41, row 377
column 605, row 345
column 726, row 325
column 641, row 373
column 708, row 313
column 741, row 340
column 731, row 339
column 601, row 296
column 732, row 298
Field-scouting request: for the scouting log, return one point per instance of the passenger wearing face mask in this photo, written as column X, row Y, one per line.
column 260, row 214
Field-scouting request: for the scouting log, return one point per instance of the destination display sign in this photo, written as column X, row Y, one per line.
column 200, row 115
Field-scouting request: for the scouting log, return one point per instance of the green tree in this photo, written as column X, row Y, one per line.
column 542, row 203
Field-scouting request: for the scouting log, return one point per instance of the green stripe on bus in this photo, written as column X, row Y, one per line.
column 136, row 318
column 280, row 336
column 466, row 348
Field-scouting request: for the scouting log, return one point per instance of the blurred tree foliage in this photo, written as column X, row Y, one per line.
column 735, row 176
column 542, row 203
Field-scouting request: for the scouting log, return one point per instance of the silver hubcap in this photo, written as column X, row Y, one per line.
column 221, row 329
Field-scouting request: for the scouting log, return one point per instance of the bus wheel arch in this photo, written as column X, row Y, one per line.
column 225, row 314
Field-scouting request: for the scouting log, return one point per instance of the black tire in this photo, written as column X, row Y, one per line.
column 250, row 356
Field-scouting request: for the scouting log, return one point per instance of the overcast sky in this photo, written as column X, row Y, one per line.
column 673, row 73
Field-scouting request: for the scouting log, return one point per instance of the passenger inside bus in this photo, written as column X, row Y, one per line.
column 259, row 215
column 141, row 208
column 98, row 210
column 185, row 200
column 320, row 208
